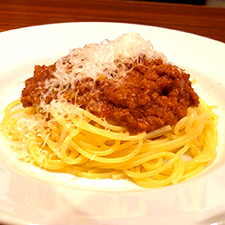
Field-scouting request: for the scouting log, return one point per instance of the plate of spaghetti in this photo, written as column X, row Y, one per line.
column 133, row 118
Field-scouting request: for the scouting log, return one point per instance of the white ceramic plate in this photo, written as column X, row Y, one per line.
column 29, row 195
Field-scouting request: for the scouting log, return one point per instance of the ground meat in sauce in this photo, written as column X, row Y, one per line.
column 151, row 95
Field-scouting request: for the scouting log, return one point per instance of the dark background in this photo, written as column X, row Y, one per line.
column 193, row 2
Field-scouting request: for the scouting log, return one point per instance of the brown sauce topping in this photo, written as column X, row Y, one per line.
column 151, row 95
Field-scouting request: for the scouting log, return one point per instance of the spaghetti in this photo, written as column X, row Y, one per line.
column 82, row 144
column 113, row 110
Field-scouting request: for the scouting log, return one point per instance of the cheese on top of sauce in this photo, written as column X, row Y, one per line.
column 95, row 59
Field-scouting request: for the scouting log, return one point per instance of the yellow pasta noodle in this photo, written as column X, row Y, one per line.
column 79, row 143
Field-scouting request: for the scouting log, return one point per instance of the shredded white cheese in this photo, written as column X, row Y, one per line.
column 94, row 60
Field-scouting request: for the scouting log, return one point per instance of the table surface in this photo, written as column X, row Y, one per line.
column 202, row 20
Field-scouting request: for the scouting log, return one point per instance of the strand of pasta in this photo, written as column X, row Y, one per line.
column 41, row 160
column 153, row 183
column 81, row 172
column 134, row 151
column 142, row 158
column 72, row 144
column 173, row 157
column 109, row 134
column 101, row 122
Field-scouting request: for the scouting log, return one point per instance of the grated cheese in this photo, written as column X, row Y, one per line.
column 95, row 59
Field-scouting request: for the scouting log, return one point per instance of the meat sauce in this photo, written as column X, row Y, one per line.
column 152, row 94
